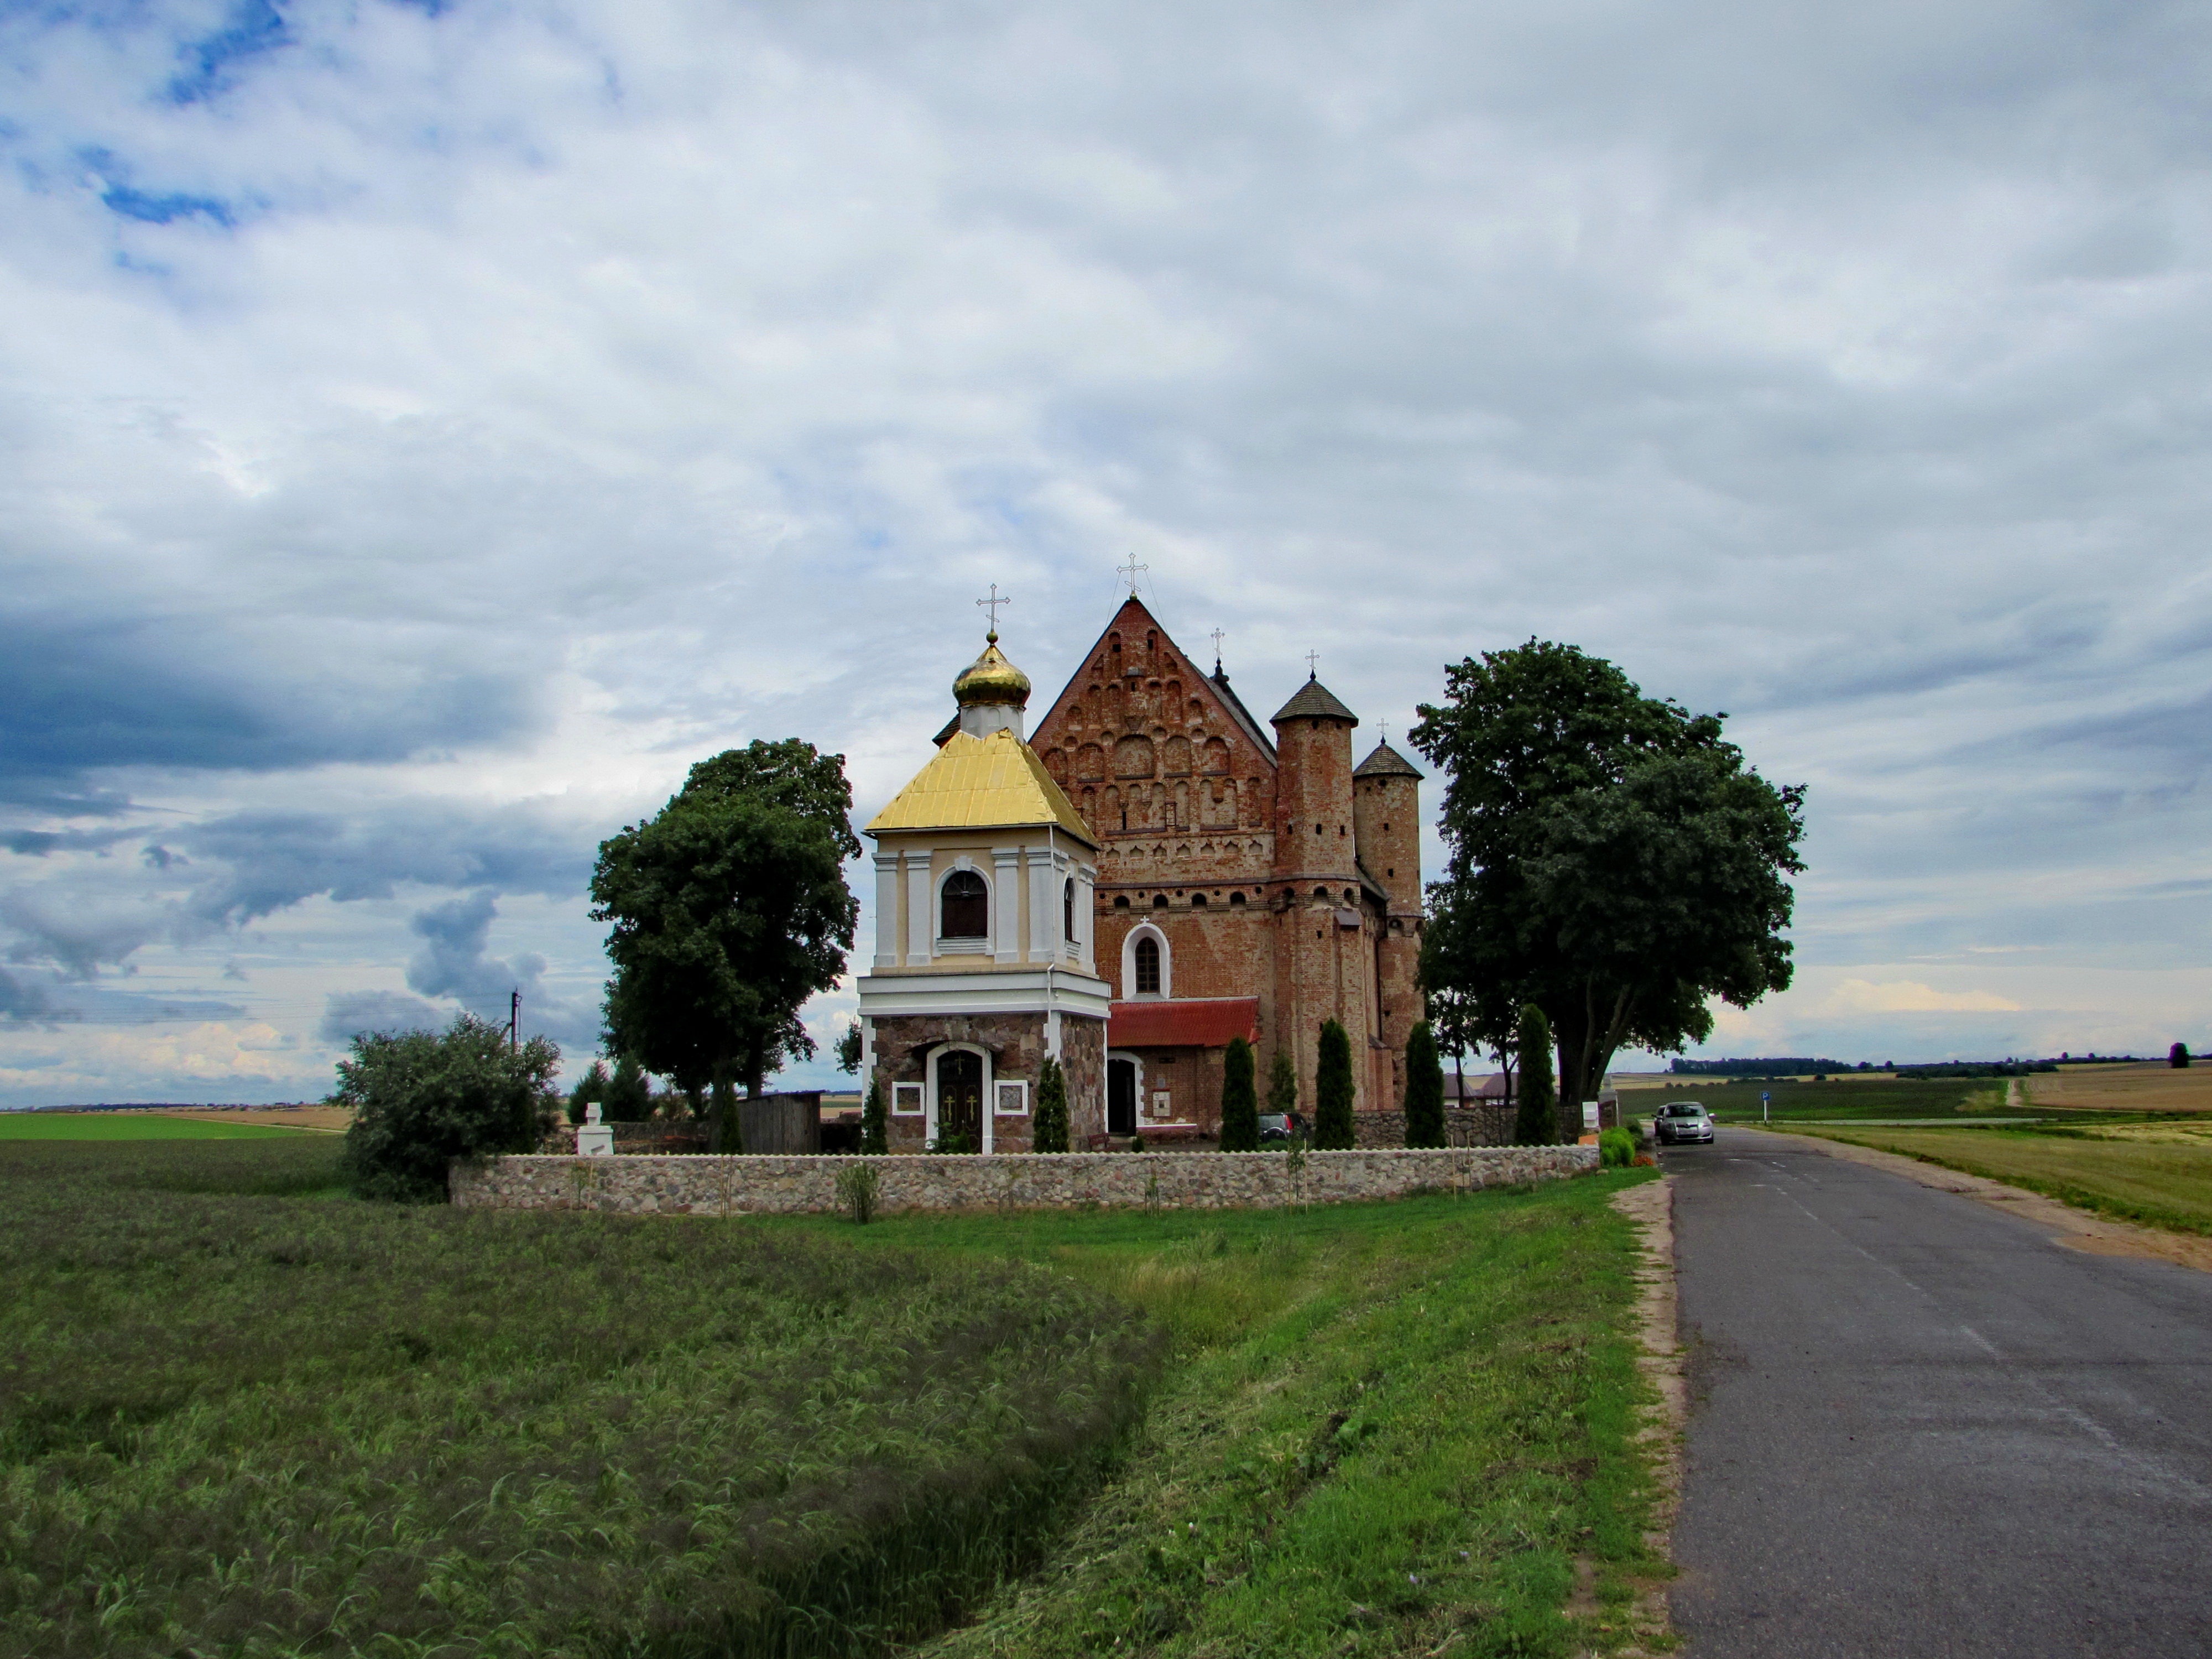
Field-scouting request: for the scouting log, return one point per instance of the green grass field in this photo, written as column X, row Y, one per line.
column 2164, row 1183
column 1843, row 1100
column 127, row 1126
column 235, row 1422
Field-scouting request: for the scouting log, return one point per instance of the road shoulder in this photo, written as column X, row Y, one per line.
column 2075, row 1229
column 1650, row 1206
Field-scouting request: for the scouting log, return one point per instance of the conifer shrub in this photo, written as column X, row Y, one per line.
column 1049, row 1129
column 629, row 1094
column 2178, row 1056
column 1240, row 1099
column 1333, row 1090
column 875, row 1137
column 1536, row 1123
column 1425, row 1088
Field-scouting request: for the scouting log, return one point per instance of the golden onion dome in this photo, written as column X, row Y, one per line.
column 992, row 681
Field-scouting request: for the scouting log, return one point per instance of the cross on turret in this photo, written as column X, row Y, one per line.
column 1312, row 658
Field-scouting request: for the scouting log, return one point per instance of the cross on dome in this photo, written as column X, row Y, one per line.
column 991, row 605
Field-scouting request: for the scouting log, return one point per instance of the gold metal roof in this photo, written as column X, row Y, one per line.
column 982, row 783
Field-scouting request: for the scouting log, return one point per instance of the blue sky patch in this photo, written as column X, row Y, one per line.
column 255, row 27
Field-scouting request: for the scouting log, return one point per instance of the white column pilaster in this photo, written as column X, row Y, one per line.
column 921, row 911
column 887, row 911
column 1007, row 903
column 1044, row 907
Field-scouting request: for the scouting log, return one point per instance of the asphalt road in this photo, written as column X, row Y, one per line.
column 1919, row 1426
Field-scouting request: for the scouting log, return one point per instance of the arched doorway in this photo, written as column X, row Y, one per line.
column 1121, row 1097
column 960, row 1098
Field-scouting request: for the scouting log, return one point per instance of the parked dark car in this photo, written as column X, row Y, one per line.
column 1682, row 1120
column 1281, row 1125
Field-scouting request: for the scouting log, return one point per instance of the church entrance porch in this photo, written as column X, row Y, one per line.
column 960, row 1100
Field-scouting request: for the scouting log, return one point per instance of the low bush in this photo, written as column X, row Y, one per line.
column 1616, row 1148
column 421, row 1099
column 858, row 1185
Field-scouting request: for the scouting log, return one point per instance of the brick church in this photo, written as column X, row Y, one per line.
column 1214, row 878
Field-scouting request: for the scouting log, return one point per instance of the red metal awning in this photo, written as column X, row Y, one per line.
column 1192, row 1023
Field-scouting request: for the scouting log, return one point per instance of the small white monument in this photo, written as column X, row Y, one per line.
column 593, row 1138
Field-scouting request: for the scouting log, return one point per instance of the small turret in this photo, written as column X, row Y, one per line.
column 1313, row 786
column 1386, row 822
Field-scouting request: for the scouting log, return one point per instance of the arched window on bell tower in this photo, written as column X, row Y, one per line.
column 1148, row 967
column 964, row 906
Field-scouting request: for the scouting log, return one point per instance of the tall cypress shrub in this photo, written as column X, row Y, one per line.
column 1333, row 1090
column 875, row 1139
column 1536, row 1124
column 1049, row 1129
column 1240, row 1100
column 1425, row 1088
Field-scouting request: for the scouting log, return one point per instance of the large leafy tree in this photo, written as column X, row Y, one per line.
column 729, row 910
column 1610, row 859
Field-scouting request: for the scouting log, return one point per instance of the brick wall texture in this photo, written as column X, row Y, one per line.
column 787, row 1186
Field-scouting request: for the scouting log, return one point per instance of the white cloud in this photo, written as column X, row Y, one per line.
column 1905, row 996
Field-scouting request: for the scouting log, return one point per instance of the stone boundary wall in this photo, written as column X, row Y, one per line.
column 1464, row 1125
column 771, row 1185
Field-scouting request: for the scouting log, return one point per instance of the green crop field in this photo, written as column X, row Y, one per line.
column 239, row 1418
column 130, row 1126
column 2130, row 1171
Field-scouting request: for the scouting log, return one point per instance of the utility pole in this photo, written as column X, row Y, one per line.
column 514, row 1020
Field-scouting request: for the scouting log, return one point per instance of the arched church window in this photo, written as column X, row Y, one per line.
column 1320, row 892
column 1198, row 901
column 1120, row 900
column 1237, row 898
column 1159, row 900
column 964, row 906
column 1067, row 910
column 1148, row 967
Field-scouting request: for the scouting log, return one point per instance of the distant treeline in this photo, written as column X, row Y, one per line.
column 1785, row 1067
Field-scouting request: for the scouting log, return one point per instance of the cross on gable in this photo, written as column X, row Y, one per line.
column 1217, row 650
column 991, row 605
column 1130, row 570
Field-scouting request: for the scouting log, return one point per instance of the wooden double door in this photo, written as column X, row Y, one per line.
column 960, row 1098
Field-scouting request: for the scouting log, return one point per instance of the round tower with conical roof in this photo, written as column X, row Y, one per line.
column 1386, row 822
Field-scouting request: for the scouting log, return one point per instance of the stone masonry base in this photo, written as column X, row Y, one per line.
column 772, row 1185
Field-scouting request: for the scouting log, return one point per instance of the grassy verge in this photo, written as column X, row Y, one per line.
column 1389, row 1429
column 243, row 1424
column 2163, row 1182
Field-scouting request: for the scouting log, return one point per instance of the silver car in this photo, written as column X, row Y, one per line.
column 1682, row 1120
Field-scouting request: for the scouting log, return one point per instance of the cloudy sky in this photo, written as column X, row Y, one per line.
column 427, row 429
